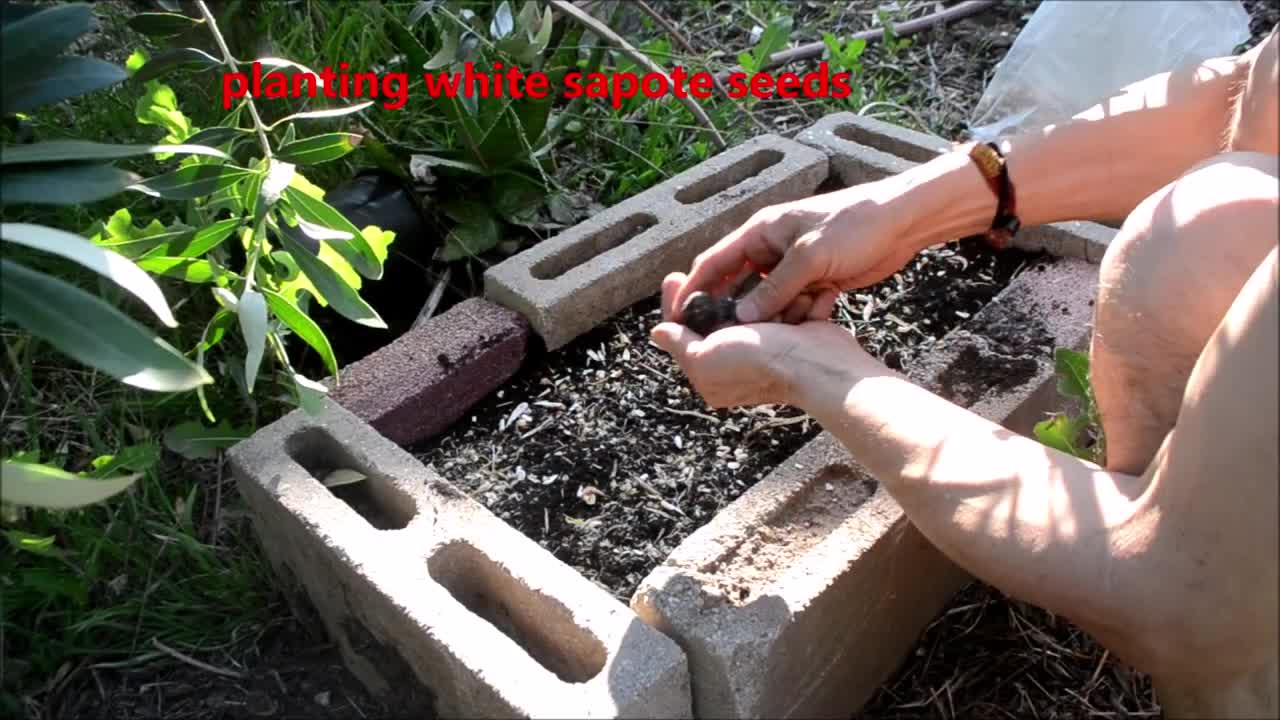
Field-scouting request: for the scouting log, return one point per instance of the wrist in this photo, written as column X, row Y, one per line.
column 939, row 201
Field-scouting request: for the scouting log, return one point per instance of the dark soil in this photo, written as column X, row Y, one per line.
column 604, row 454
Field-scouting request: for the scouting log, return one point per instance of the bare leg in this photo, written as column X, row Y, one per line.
column 1169, row 277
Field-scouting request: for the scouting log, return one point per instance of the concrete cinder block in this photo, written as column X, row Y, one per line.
column 417, row 583
column 568, row 284
column 802, row 596
column 863, row 149
column 426, row 379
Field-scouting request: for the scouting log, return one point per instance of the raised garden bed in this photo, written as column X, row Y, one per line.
column 603, row 453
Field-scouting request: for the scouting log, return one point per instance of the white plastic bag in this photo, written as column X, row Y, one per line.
column 1071, row 55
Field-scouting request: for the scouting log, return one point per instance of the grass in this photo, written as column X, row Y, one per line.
column 171, row 564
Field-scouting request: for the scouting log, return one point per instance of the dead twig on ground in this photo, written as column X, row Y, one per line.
column 155, row 642
column 812, row 50
column 604, row 32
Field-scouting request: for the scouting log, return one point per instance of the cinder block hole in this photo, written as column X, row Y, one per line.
column 536, row 622
column 883, row 143
column 375, row 499
column 806, row 519
column 740, row 171
column 608, row 238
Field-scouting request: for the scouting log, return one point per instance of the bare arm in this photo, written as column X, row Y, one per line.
column 1125, row 556
column 1103, row 162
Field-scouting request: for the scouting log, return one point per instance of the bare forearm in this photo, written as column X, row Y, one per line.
column 1013, row 512
column 1098, row 166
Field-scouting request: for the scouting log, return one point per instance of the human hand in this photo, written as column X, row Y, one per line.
column 760, row 363
column 809, row 251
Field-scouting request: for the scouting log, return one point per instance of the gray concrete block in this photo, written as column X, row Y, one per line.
column 417, row 583
column 802, row 596
column 568, row 284
column 863, row 149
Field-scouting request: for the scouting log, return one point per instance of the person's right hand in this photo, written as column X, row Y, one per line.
column 809, row 251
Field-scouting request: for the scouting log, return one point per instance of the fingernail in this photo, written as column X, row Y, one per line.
column 748, row 311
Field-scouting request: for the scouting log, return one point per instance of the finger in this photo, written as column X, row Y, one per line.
column 748, row 245
column 824, row 304
column 798, row 310
column 798, row 268
column 674, row 339
column 670, row 288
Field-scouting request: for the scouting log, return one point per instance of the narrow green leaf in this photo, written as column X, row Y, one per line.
column 190, row 182
column 170, row 60
column 197, row 442
column 543, row 37
column 34, row 544
column 80, row 150
column 217, row 135
column 503, row 22
column 42, row 486
column 94, row 333
column 59, row 78
column 447, row 54
column 119, row 234
column 115, row 267
column 318, row 149
column 189, row 269
column 43, row 34
column 333, row 289
column 355, row 251
column 304, row 327
column 163, row 24
column 326, row 113
column 64, row 185
column 252, row 310
column 420, row 10
column 311, row 394
column 202, row 241
column 251, row 192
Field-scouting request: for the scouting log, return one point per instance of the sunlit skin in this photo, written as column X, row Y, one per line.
column 1168, row 555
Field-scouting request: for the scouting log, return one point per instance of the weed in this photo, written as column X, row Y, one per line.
column 1078, row 435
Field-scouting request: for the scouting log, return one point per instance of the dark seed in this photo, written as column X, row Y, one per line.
column 704, row 314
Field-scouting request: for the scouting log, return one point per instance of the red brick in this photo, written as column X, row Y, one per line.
column 426, row 379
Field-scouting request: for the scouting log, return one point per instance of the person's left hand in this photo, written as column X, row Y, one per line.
column 760, row 363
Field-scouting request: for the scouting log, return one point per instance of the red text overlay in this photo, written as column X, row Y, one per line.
column 392, row 89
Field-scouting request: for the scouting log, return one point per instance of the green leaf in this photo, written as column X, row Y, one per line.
column 318, row 149
column 252, row 310
column 356, row 250
column 218, row 135
column 311, row 394
column 94, row 333
column 251, row 192
column 503, row 22
column 159, row 106
column 1073, row 374
column 1061, row 433
column 133, row 458
column 74, row 184
column 447, row 54
column 193, row 440
column 78, row 150
column 58, row 78
column 543, row 37
column 190, row 182
column 163, row 24
column 34, row 544
column 170, row 60
column 476, row 230
column 43, row 34
column 747, row 62
column 189, row 269
column 110, row 265
column 204, row 240
column 326, row 113
column 330, row 287
column 772, row 40
column 420, row 10
column 118, row 234
column 302, row 326
column 32, row 485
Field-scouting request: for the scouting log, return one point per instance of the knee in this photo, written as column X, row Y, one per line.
column 1193, row 243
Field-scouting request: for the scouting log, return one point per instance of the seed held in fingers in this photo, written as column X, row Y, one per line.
column 705, row 314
